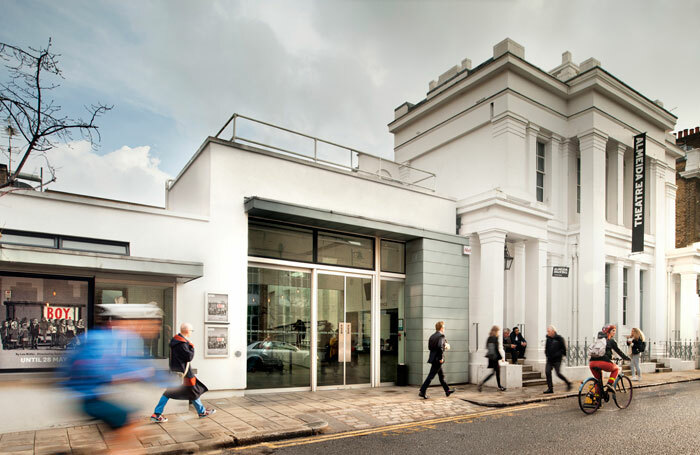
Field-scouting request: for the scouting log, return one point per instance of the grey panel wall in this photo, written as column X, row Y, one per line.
column 437, row 289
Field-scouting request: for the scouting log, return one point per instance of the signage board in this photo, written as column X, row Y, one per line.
column 467, row 250
column 560, row 271
column 638, row 189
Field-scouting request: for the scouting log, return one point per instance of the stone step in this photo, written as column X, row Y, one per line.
column 527, row 368
column 532, row 382
column 663, row 370
column 532, row 375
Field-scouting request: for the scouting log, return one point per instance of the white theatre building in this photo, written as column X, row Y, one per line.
column 540, row 163
column 306, row 265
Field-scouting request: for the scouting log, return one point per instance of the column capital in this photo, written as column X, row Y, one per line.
column 671, row 189
column 559, row 139
column 592, row 138
column 531, row 127
column 621, row 149
column 492, row 236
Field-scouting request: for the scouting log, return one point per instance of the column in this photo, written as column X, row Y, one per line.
column 616, row 280
column 620, row 199
column 518, row 284
column 557, row 180
column 690, row 306
column 490, row 311
column 610, row 183
column 536, row 299
column 670, row 215
column 531, row 162
column 633, row 296
column 658, row 300
column 591, row 286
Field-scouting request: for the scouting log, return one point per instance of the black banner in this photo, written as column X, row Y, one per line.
column 638, row 189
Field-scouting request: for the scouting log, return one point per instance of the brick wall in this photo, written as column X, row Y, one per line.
column 687, row 208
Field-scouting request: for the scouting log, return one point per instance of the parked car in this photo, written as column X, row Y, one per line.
column 273, row 355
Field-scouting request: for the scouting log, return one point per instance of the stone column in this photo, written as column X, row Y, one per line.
column 670, row 215
column 558, row 177
column 690, row 306
column 519, row 283
column 536, row 299
column 633, row 296
column 616, row 280
column 620, row 199
column 591, row 288
column 659, row 275
column 490, row 310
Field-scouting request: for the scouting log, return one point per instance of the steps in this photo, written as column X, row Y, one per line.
column 531, row 377
column 660, row 367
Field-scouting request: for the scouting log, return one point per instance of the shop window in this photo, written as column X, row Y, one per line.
column 345, row 250
column 40, row 318
column 291, row 243
column 392, row 331
column 160, row 295
column 278, row 329
column 393, row 255
column 13, row 237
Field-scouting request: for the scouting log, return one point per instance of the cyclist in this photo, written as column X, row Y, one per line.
column 605, row 362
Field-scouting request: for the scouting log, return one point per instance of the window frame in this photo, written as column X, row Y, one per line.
column 540, row 154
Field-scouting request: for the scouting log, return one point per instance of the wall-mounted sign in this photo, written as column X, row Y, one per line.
column 560, row 271
column 638, row 189
column 467, row 250
column 8, row 294
column 216, row 309
column 61, row 312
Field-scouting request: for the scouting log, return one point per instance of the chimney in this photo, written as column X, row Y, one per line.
column 697, row 129
column 508, row 45
column 685, row 132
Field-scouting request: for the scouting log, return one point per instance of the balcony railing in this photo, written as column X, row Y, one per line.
column 247, row 130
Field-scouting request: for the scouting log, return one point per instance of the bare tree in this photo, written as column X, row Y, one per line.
column 32, row 114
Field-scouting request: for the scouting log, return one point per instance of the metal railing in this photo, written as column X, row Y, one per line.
column 356, row 161
column 577, row 352
column 682, row 349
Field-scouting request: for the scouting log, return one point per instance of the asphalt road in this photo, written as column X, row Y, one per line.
column 662, row 419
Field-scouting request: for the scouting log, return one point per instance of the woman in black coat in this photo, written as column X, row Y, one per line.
column 494, row 356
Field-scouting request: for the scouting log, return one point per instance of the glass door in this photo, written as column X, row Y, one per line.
column 344, row 330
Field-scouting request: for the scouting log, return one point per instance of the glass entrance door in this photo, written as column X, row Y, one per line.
column 344, row 330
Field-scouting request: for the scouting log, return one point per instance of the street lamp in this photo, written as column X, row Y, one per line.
column 507, row 258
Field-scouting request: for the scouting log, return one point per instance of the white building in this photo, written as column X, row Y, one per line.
column 541, row 163
column 335, row 270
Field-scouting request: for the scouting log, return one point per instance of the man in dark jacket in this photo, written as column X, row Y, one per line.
column 509, row 347
column 437, row 345
column 555, row 350
column 181, row 354
column 519, row 341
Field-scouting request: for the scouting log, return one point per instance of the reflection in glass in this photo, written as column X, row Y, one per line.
column 291, row 243
column 345, row 250
column 392, row 257
column 159, row 294
column 279, row 331
column 331, row 297
column 391, row 333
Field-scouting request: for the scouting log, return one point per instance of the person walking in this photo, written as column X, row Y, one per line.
column 638, row 343
column 494, row 356
column 555, row 350
column 437, row 344
column 181, row 354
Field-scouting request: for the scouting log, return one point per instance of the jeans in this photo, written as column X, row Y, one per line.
column 164, row 400
column 634, row 365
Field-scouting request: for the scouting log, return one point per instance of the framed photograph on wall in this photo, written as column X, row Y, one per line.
column 216, row 308
column 215, row 340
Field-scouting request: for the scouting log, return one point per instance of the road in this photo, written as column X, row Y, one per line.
column 662, row 419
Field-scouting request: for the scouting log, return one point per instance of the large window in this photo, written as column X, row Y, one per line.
column 393, row 256
column 540, row 172
column 160, row 295
column 270, row 241
column 391, row 329
column 39, row 319
column 345, row 250
column 279, row 328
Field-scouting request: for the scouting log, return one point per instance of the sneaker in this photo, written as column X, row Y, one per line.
column 502, row 389
column 207, row 413
column 158, row 418
column 423, row 395
column 479, row 387
column 568, row 387
column 548, row 391
column 450, row 392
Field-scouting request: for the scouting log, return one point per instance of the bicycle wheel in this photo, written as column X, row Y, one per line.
column 588, row 396
column 623, row 392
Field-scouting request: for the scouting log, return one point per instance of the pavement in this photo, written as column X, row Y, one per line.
column 262, row 417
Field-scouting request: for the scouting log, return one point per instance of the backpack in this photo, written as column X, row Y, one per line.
column 597, row 349
column 642, row 346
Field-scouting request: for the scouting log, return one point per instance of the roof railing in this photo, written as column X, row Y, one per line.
column 357, row 161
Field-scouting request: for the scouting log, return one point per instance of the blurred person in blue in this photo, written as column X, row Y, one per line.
column 110, row 355
column 191, row 388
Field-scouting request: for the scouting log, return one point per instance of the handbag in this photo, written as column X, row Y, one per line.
column 491, row 352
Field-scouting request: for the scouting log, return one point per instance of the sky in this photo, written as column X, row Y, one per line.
column 176, row 70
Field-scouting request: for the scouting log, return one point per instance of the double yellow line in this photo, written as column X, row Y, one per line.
column 390, row 428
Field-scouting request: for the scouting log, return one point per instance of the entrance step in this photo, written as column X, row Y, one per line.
column 532, row 375
column 527, row 368
column 663, row 370
column 532, row 382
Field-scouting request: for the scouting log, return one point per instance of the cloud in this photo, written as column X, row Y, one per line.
column 129, row 174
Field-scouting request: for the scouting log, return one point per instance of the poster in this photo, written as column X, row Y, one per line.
column 216, row 341
column 216, row 307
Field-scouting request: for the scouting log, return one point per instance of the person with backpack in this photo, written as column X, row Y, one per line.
column 555, row 350
column 601, row 354
column 494, row 356
column 636, row 341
